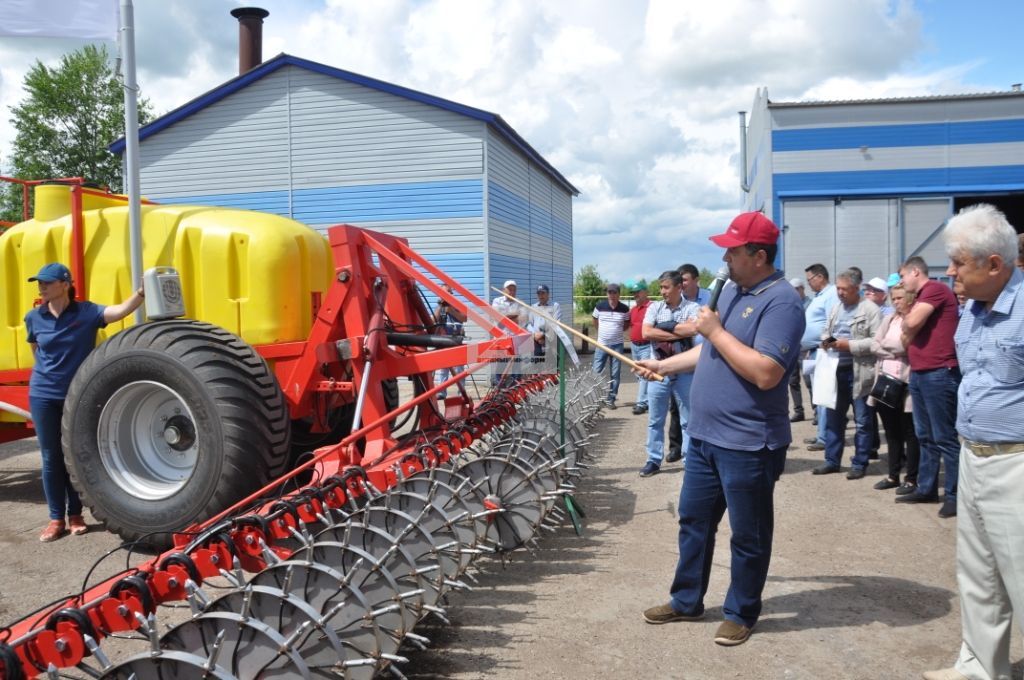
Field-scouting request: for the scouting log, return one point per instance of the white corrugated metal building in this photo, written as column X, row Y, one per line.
column 325, row 146
column 871, row 182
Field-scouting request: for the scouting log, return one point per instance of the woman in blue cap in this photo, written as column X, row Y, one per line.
column 62, row 332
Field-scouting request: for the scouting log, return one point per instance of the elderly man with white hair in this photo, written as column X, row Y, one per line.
column 982, row 247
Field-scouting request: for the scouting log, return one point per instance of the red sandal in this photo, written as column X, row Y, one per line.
column 54, row 530
column 77, row 525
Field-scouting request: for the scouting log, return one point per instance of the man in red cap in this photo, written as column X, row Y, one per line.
column 739, row 428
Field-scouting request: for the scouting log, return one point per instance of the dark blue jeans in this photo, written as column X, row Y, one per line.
column 835, row 424
column 61, row 498
column 934, row 395
column 742, row 482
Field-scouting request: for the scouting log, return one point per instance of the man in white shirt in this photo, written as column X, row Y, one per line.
column 611, row 319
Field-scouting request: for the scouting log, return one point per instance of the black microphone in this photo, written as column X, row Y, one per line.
column 716, row 287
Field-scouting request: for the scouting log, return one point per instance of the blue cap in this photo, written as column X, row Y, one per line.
column 543, row 289
column 54, row 271
column 893, row 280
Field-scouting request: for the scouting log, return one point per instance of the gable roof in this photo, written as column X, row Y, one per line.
column 235, row 84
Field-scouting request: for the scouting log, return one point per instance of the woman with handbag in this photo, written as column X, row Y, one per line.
column 891, row 398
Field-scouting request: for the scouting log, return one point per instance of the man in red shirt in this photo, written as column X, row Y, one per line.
column 640, row 348
column 934, row 379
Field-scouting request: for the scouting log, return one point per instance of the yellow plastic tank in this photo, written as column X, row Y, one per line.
column 251, row 273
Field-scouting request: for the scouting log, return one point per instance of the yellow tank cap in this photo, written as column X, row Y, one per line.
column 53, row 201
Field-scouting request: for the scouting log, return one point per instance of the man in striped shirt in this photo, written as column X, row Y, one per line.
column 611, row 319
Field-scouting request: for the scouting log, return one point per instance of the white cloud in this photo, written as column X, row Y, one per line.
column 634, row 102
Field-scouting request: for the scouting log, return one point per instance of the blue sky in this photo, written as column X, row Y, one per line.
column 635, row 102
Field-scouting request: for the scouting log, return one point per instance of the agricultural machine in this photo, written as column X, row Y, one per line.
column 263, row 445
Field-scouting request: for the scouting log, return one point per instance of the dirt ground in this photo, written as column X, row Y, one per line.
column 859, row 587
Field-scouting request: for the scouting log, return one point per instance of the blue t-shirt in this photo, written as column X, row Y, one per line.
column 725, row 409
column 63, row 343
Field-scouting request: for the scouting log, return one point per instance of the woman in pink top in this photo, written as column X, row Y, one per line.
column 898, row 423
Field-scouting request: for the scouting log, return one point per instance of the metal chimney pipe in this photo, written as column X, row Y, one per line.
column 743, row 152
column 250, row 37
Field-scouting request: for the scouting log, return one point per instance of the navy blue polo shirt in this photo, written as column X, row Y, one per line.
column 725, row 409
column 63, row 343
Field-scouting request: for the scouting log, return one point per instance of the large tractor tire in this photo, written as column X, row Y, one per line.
column 168, row 423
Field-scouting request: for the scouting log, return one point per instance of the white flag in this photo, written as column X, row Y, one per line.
column 86, row 19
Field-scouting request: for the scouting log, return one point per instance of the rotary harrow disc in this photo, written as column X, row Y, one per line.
column 243, row 646
column 294, row 619
column 343, row 607
column 390, row 555
column 509, row 487
column 167, row 665
column 378, row 586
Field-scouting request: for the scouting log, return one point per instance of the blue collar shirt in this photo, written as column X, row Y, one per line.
column 816, row 314
column 62, row 344
column 725, row 409
column 990, row 350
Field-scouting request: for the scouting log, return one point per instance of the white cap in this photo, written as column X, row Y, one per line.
column 508, row 283
column 796, row 282
column 878, row 284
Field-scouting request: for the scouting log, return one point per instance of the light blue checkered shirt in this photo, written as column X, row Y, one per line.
column 990, row 349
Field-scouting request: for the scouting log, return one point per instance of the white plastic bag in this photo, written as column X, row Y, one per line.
column 823, row 387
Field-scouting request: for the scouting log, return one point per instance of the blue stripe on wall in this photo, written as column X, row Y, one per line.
column 529, row 274
column 364, row 203
column 466, row 268
column 275, row 202
column 511, row 208
column 888, row 180
column 923, row 134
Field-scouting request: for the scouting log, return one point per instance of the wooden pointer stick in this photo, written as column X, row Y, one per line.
column 586, row 338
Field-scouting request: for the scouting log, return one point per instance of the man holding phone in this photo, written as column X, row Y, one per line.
column 849, row 330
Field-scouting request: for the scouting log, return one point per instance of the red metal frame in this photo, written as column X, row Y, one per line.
column 375, row 287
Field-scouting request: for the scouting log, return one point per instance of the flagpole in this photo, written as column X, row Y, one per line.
column 131, row 137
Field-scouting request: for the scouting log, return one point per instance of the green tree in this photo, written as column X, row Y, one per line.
column 706, row 277
column 588, row 288
column 68, row 117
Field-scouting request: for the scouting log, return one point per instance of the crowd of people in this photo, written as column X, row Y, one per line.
column 942, row 367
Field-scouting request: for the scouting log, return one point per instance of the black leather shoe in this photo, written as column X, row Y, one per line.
column 673, row 456
column 825, row 469
column 948, row 509
column 887, row 483
column 917, row 498
column 854, row 473
column 796, row 419
column 905, row 488
column 873, row 455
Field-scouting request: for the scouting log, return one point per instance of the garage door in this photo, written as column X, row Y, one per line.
column 923, row 220
column 809, row 235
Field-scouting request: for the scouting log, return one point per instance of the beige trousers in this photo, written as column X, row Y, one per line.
column 990, row 561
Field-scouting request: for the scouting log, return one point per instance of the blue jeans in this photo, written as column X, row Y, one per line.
column 742, row 482
column 442, row 374
column 641, row 352
column 835, row 430
column 600, row 359
column 658, row 397
column 934, row 395
column 61, row 498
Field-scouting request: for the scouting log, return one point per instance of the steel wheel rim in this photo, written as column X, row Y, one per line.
column 147, row 440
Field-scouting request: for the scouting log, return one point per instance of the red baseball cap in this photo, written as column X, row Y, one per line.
column 749, row 227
